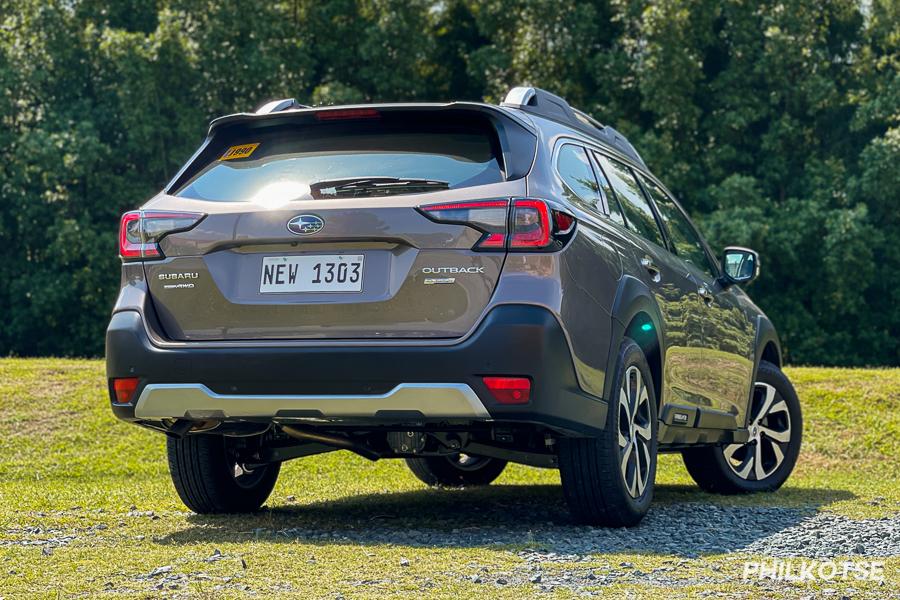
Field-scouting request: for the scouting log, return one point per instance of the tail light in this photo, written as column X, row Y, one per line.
column 141, row 230
column 532, row 226
column 563, row 223
column 509, row 390
column 487, row 216
column 536, row 226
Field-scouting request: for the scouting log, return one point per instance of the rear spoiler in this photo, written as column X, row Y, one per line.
column 516, row 133
column 302, row 111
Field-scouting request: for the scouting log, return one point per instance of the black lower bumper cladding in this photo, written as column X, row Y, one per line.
column 512, row 340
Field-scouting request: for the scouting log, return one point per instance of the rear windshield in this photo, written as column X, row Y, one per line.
column 346, row 159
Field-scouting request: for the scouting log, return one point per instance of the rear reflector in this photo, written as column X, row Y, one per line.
column 124, row 388
column 509, row 390
column 140, row 231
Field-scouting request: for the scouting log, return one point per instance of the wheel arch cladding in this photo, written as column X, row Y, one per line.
column 636, row 316
column 768, row 348
column 642, row 330
column 771, row 354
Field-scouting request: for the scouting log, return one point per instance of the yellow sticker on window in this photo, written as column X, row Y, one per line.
column 242, row 151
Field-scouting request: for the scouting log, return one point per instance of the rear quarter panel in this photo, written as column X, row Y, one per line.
column 577, row 283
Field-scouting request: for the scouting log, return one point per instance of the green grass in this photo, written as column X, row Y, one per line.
column 70, row 471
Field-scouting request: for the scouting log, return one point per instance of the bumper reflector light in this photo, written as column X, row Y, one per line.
column 124, row 388
column 509, row 390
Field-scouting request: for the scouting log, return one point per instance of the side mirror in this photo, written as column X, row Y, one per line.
column 740, row 265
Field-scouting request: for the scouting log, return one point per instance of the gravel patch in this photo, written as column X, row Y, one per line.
column 683, row 530
column 174, row 578
column 581, row 578
column 826, row 536
column 48, row 538
column 558, row 553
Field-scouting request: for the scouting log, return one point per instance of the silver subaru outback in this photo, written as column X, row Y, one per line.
column 460, row 285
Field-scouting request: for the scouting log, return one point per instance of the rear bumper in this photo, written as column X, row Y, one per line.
column 364, row 384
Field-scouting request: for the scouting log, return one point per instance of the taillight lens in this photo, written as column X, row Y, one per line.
column 533, row 226
column 509, row 390
column 563, row 223
column 140, row 231
column 124, row 388
column 487, row 216
column 130, row 242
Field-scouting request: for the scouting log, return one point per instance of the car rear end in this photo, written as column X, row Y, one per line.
column 337, row 268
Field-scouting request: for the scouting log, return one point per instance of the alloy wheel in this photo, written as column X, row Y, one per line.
column 770, row 435
column 635, row 432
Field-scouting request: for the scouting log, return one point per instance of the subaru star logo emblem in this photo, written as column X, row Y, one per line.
column 305, row 224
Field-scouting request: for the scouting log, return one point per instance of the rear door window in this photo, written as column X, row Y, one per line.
column 579, row 184
column 377, row 157
column 638, row 212
column 684, row 237
column 612, row 204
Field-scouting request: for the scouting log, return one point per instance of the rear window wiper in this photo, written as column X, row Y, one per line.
column 357, row 187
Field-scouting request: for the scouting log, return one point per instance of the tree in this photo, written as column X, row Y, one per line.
column 776, row 123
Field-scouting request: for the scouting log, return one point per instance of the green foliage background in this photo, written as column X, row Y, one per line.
column 776, row 122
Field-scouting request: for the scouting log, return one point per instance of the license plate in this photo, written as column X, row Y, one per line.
column 320, row 273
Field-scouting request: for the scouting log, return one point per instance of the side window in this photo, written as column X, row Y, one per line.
column 580, row 186
column 615, row 211
column 634, row 204
column 684, row 237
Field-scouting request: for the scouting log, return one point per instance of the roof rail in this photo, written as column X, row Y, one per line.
column 539, row 102
column 550, row 106
column 583, row 116
column 278, row 106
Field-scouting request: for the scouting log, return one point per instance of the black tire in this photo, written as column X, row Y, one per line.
column 456, row 470
column 591, row 468
column 712, row 470
column 203, row 471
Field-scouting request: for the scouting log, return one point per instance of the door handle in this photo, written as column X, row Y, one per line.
column 651, row 268
column 705, row 295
